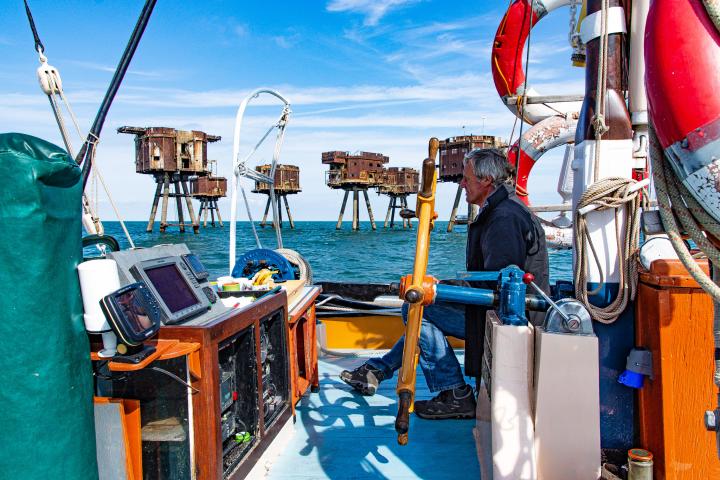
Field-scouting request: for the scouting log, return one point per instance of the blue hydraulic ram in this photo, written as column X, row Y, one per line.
column 510, row 297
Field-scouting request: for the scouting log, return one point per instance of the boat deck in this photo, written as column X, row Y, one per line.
column 340, row 434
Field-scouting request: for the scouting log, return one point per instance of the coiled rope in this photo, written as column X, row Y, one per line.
column 623, row 196
column 295, row 258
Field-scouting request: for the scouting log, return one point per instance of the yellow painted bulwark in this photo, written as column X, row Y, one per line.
column 371, row 332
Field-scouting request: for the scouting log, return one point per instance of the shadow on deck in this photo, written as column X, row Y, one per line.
column 340, row 434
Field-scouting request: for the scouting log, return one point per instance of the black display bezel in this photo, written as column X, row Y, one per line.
column 119, row 321
column 200, row 275
column 139, row 270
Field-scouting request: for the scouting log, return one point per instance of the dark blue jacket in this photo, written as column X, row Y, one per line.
column 504, row 233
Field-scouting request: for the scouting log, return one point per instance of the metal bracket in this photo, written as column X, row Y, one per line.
column 578, row 320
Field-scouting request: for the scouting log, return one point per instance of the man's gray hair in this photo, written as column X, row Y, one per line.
column 490, row 163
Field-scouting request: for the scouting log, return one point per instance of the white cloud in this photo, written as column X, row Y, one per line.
column 241, row 30
column 373, row 10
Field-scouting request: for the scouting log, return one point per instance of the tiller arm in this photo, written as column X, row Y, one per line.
column 417, row 294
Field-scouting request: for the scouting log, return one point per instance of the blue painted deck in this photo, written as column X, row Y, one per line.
column 340, row 434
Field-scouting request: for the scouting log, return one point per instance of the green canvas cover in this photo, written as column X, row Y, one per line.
column 46, row 393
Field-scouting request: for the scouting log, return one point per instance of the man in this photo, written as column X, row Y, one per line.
column 504, row 233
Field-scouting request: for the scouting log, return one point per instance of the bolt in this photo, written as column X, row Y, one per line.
column 412, row 296
column 711, row 420
column 572, row 323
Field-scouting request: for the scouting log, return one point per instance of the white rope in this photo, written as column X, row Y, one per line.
column 51, row 84
column 626, row 199
column 303, row 265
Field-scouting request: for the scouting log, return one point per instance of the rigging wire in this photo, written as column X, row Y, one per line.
column 51, row 84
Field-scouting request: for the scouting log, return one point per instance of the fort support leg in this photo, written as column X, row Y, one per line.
column 387, row 216
column 217, row 210
column 287, row 209
column 407, row 222
column 356, row 220
column 369, row 208
column 267, row 209
column 392, row 215
column 188, row 201
column 153, row 210
column 178, row 202
column 342, row 210
column 204, row 210
column 212, row 216
column 166, row 197
column 453, row 214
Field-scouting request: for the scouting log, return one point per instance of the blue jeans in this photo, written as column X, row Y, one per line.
column 437, row 359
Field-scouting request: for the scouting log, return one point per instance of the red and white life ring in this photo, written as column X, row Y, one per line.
column 543, row 136
column 507, row 57
column 682, row 77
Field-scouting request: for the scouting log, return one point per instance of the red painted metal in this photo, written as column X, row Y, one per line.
column 508, row 47
column 682, row 74
column 549, row 133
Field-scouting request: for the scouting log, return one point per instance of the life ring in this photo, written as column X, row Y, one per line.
column 507, row 57
column 549, row 133
column 682, row 52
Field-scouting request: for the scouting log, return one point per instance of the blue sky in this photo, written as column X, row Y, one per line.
column 381, row 76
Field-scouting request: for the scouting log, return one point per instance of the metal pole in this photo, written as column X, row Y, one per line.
column 387, row 216
column 267, row 209
column 166, row 195
column 369, row 208
column 153, row 210
column 287, row 208
column 453, row 214
column 392, row 216
column 356, row 220
column 342, row 210
column 178, row 202
column 191, row 211
column 217, row 210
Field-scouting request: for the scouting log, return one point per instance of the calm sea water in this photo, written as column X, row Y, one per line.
column 379, row 256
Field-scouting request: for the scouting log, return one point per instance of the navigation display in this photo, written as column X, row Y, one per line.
column 132, row 305
column 172, row 287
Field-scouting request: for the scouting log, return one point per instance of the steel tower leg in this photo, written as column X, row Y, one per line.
column 178, row 202
column 453, row 214
column 166, row 197
column 153, row 210
column 191, row 211
column 287, row 208
column 387, row 216
column 217, row 210
column 369, row 208
column 342, row 210
column 356, row 220
column 267, row 209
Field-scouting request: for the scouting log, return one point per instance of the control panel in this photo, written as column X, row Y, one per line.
column 202, row 300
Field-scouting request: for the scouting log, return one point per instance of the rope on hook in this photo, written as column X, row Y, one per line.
column 625, row 196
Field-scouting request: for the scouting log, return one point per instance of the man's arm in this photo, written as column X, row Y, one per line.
column 504, row 243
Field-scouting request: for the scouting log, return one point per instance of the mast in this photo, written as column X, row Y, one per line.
column 604, row 148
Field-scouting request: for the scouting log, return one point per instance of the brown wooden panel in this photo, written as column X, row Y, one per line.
column 675, row 324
